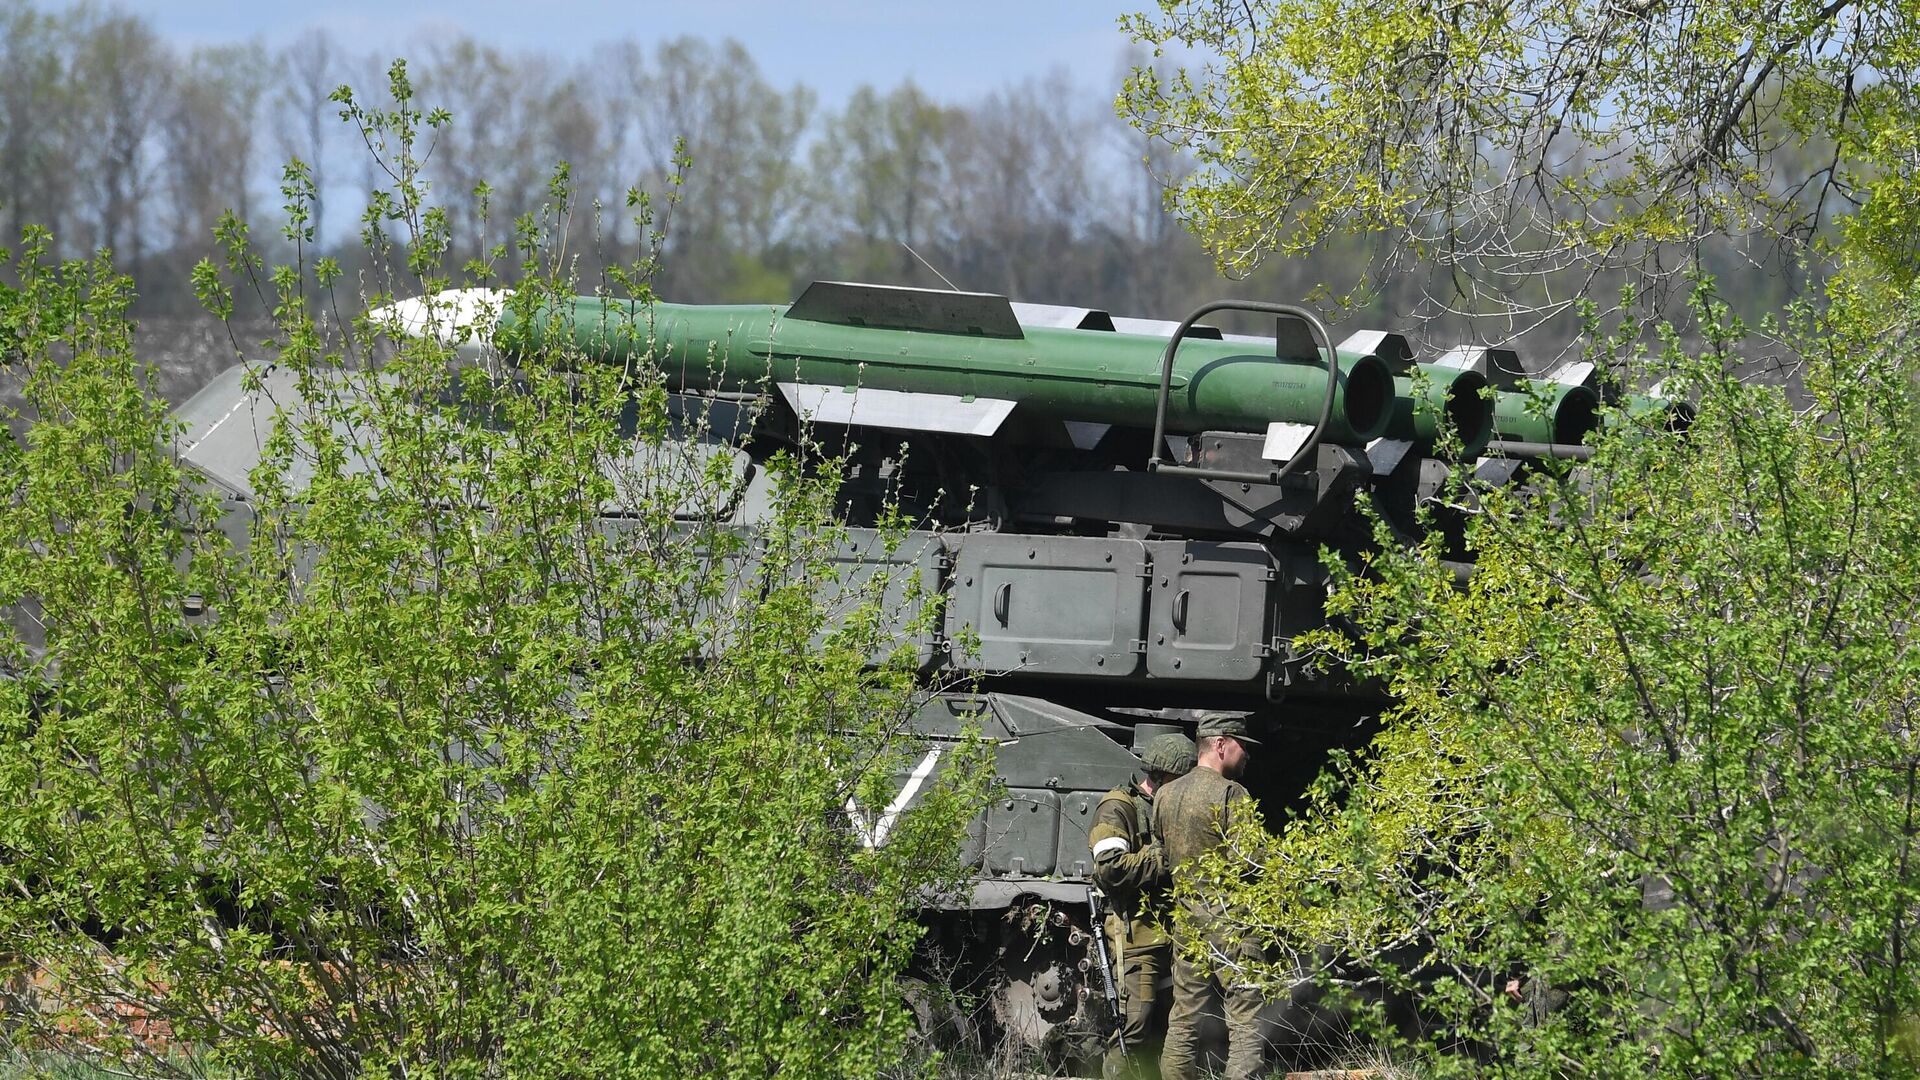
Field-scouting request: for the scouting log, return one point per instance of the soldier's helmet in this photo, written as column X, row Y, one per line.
column 1170, row 754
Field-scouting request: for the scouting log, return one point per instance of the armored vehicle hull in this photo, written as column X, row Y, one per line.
column 1120, row 528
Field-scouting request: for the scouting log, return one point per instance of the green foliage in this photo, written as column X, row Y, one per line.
column 454, row 774
column 1646, row 802
column 1511, row 152
column 1657, row 762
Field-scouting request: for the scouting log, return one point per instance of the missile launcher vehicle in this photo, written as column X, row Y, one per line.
column 1123, row 520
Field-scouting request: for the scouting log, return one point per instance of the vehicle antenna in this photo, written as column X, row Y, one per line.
column 929, row 266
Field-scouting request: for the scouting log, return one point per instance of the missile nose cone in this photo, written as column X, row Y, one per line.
column 450, row 317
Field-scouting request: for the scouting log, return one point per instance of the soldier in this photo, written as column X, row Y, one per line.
column 1193, row 816
column 1129, row 870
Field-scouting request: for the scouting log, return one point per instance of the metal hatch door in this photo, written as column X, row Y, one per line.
column 1023, row 832
column 866, row 566
column 1074, row 859
column 712, row 574
column 1207, row 616
column 1055, row 605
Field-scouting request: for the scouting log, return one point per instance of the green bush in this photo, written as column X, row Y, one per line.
column 454, row 775
column 1647, row 805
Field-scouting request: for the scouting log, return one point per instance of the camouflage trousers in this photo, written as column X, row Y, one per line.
column 1194, row 996
column 1143, row 1003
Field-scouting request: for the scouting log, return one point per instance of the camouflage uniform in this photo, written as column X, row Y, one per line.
column 1193, row 815
column 1129, row 870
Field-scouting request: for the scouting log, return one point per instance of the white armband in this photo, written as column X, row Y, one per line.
column 1111, row 843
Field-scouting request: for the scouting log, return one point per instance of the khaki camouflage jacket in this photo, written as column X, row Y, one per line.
column 1193, row 813
column 1128, row 866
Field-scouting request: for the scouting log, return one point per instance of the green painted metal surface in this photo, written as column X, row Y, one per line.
column 1571, row 412
column 1655, row 411
column 1455, row 393
column 1094, row 376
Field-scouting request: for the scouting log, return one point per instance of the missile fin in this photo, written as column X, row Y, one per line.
column 896, row 409
column 897, row 307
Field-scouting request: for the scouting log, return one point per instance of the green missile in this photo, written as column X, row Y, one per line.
column 965, row 346
column 1572, row 411
column 1653, row 410
column 1456, row 394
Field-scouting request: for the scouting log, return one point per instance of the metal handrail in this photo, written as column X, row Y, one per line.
column 1260, row 307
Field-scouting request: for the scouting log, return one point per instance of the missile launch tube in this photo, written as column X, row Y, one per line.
column 1572, row 412
column 1093, row 376
column 1455, row 393
column 1655, row 411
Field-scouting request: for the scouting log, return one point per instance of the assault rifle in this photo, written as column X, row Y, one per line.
column 1097, row 907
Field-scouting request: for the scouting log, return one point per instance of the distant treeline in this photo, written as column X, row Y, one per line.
column 115, row 138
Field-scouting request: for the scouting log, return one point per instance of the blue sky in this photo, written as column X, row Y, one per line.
column 956, row 50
